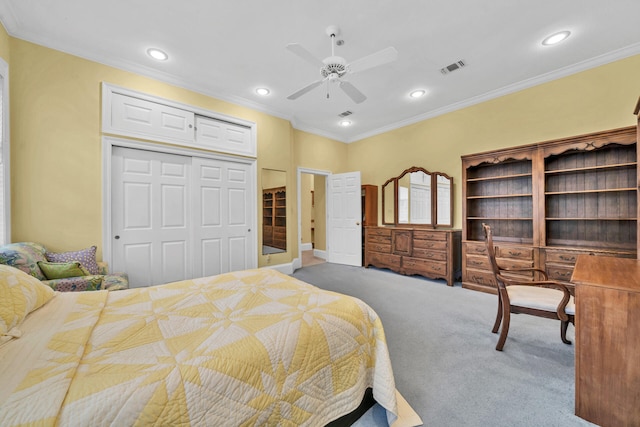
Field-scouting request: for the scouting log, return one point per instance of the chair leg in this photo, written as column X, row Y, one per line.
column 505, row 327
column 496, row 325
column 563, row 331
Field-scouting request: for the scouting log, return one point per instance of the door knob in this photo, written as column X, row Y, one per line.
column 357, row 223
column 116, row 237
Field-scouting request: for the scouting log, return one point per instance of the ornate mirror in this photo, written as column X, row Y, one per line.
column 418, row 197
column 444, row 199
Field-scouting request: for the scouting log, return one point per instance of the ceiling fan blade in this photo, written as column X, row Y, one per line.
column 352, row 92
column 305, row 89
column 381, row 57
column 305, row 54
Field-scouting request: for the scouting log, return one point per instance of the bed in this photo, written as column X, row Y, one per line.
column 254, row 347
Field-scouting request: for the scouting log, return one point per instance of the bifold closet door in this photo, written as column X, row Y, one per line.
column 151, row 216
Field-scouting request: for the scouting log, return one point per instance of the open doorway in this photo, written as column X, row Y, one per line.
column 312, row 216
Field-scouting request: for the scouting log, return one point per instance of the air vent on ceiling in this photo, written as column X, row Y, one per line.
column 453, row 67
column 345, row 114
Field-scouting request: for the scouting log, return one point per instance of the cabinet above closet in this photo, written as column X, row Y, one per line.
column 138, row 115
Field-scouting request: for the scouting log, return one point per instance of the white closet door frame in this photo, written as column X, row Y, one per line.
column 108, row 142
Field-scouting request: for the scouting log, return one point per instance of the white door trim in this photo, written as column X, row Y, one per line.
column 297, row 263
column 108, row 142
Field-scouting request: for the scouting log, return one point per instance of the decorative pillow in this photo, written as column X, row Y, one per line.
column 86, row 257
column 25, row 256
column 20, row 294
column 62, row 270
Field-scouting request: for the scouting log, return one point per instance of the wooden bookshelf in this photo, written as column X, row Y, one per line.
column 549, row 202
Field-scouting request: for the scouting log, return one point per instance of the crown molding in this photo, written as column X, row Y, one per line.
column 11, row 23
column 585, row 65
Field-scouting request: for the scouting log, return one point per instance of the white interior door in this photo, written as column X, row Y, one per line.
column 151, row 216
column 344, row 219
column 223, row 217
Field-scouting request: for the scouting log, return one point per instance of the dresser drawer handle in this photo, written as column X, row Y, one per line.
column 567, row 258
column 515, row 253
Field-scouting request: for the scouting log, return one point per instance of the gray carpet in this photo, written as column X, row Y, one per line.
column 443, row 352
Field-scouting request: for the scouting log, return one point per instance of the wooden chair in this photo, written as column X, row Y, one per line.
column 543, row 298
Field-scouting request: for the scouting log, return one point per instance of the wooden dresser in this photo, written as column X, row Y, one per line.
column 432, row 253
column 607, row 345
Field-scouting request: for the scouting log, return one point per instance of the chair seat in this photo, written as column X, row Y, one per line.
column 539, row 298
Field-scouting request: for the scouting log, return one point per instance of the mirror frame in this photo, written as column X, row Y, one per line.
column 395, row 205
column 434, row 198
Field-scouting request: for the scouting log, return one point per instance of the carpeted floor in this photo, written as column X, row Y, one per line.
column 443, row 352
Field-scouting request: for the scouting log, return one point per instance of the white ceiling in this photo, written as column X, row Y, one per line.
column 227, row 49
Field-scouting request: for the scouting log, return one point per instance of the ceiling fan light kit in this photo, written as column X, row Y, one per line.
column 334, row 68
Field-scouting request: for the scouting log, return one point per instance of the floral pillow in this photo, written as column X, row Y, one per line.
column 86, row 257
column 20, row 294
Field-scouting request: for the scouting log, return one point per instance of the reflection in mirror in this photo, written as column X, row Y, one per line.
column 414, row 198
column 274, row 211
column 443, row 202
column 387, row 202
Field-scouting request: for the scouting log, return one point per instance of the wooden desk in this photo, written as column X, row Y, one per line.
column 607, row 340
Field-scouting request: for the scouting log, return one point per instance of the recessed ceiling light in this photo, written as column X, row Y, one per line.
column 418, row 93
column 556, row 38
column 157, row 54
column 345, row 123
column 263, row 91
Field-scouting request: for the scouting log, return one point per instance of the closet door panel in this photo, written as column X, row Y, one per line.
column 225, row 137
column 151, row 216
column 137, row 117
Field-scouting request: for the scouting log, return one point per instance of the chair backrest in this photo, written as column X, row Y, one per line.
column 491, row 254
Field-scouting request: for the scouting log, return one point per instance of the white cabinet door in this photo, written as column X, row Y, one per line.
column 151, row 216
column 150, row 120
column 224, row 209
column 344, row 219
column 225, row 137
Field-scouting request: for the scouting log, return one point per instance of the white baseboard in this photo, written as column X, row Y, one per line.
column 306, row 246
column 282, row 268
column 320, row 254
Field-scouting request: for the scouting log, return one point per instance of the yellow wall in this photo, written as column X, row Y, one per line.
column 56, row 141
column 4, row 44
column 598, row 99
column 56, row 144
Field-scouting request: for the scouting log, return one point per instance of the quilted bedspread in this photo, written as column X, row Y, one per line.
column 249, row 348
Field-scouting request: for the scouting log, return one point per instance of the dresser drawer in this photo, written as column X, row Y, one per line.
column 479, row 277
column 378, row 232
column 378, row 247
column 475, row 248
column 416, row 265
column 428, row 254
column 439, row 245
column 429, row 235
column 562, row 257
column 375, row 238
column 560, row 272
column 384, row 260
column 517, row 252
column 478, row 261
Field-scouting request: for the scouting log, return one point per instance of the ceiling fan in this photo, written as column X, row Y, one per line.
column 334, row 68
